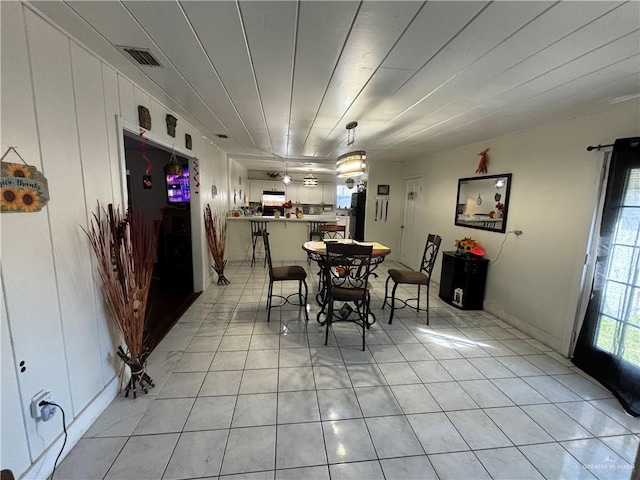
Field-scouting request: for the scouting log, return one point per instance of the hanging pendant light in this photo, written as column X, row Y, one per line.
column 351, row 164
column 287, row 178
column 310, row 181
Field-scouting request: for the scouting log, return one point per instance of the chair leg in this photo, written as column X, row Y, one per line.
column 418, row 307
column 427, row 304
column 269, row 301
column 328, row 322
column 386, row 289
column 306, row 291
column 393, row 302
column 253, row 250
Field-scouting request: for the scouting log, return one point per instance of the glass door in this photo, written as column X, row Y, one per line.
column 608, row 346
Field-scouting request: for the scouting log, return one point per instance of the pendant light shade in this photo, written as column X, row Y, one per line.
column 351, row 164
column 310, row 181
column 286, row 179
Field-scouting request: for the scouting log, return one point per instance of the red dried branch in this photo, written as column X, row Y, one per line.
column 484, row 160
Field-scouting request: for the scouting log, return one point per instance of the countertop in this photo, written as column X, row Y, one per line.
column 306, row 218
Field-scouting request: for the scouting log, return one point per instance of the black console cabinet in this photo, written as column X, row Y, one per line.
column 469, row 274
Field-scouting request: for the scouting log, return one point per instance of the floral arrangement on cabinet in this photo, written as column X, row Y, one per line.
column 469, row 246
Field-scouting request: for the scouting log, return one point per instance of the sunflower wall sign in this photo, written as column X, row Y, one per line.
column 22, row 187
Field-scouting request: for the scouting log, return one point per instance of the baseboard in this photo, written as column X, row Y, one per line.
column 43, row 466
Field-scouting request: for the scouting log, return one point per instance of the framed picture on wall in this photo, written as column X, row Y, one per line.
column 383, row 189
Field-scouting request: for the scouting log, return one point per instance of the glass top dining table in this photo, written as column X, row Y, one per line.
column 317, row 251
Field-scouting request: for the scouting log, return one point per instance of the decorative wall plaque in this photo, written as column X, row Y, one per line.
column 22, row 187
column 187, row 141
column 144, row 117
column 171, row 125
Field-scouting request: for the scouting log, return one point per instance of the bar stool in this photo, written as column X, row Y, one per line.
column 257, row 227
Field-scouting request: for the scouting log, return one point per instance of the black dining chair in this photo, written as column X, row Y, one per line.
column 284, row 274
column 333, row 231
column 346, row 273
column 411, row 277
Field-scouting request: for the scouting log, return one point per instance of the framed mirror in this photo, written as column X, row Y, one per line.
column 483, row 202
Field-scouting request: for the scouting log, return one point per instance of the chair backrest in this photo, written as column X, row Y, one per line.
column 257, row 226
column 430, row 253
column 267, row 251
column 314, row 230
column 347, row 265
column 333, row 231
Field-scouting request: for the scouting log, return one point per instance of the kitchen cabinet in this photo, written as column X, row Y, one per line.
column 329, row 194
column 291, row 193
column 463, row 279
column 255, row 191
column 310, row 195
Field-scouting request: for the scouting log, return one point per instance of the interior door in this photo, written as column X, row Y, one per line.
column 410, row 243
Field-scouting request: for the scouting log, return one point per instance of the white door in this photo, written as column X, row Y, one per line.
column 411, row 244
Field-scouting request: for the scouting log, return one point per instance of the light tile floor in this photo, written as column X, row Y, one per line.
column 467, row 397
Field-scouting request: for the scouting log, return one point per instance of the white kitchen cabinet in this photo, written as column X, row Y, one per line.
column 328, row 194
column 291, row 192
column 255, row 191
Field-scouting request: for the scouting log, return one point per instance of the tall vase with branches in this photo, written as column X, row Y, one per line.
column 125, row 249
column 216, row 227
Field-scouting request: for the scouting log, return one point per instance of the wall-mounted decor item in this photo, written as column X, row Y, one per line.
column 171, row 125
column 22, row 187
column 125, row 249
column 482, row 164
column 187, row 141
column 173, row 167
column 215, row 227
column 473, row 212
column 144, row 117
column 383, row 189
column 412, row 195
column 196, row 174
column 146, row 182
column 214, row 191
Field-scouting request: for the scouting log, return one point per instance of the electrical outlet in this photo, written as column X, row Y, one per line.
column 42, row 412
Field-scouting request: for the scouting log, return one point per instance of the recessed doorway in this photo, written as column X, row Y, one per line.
column 163, row 197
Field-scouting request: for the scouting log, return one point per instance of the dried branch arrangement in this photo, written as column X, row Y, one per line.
column 216, row 227
column 125, row 249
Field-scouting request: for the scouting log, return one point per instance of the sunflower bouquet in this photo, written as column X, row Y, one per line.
column 469, row 245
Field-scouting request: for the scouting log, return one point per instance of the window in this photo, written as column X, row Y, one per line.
column 343, row 196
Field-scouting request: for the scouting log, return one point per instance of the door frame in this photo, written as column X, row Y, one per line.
column 416, row 261
column 195, row 207
column 589, row 266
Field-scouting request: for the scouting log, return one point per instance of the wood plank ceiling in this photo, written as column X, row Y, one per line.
column 283, row 78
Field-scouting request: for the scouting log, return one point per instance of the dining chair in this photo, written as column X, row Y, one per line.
column 346, row 271
column 314, row 233
column 257, row 227
column 333, row 231
column 284, row 274
column 411, row 277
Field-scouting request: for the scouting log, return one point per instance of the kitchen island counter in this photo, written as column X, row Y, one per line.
column 286, row 236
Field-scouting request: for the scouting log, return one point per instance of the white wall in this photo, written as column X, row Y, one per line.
column 535, row 283
column 387, row 233
column 238, row 181
column 59, row 107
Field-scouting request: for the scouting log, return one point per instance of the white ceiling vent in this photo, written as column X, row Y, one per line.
column 141, row 56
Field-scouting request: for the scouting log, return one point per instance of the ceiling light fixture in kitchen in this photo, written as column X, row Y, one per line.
column 287, row 178
column 310, row 181
column 351, row 164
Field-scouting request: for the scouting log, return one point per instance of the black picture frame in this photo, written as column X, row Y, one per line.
column 383, row 189
column 483, row 215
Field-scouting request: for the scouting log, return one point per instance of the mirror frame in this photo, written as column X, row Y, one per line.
column 505, row 200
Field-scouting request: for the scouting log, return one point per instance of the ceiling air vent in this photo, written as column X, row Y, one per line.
column 222, row 135
column 141, row 56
